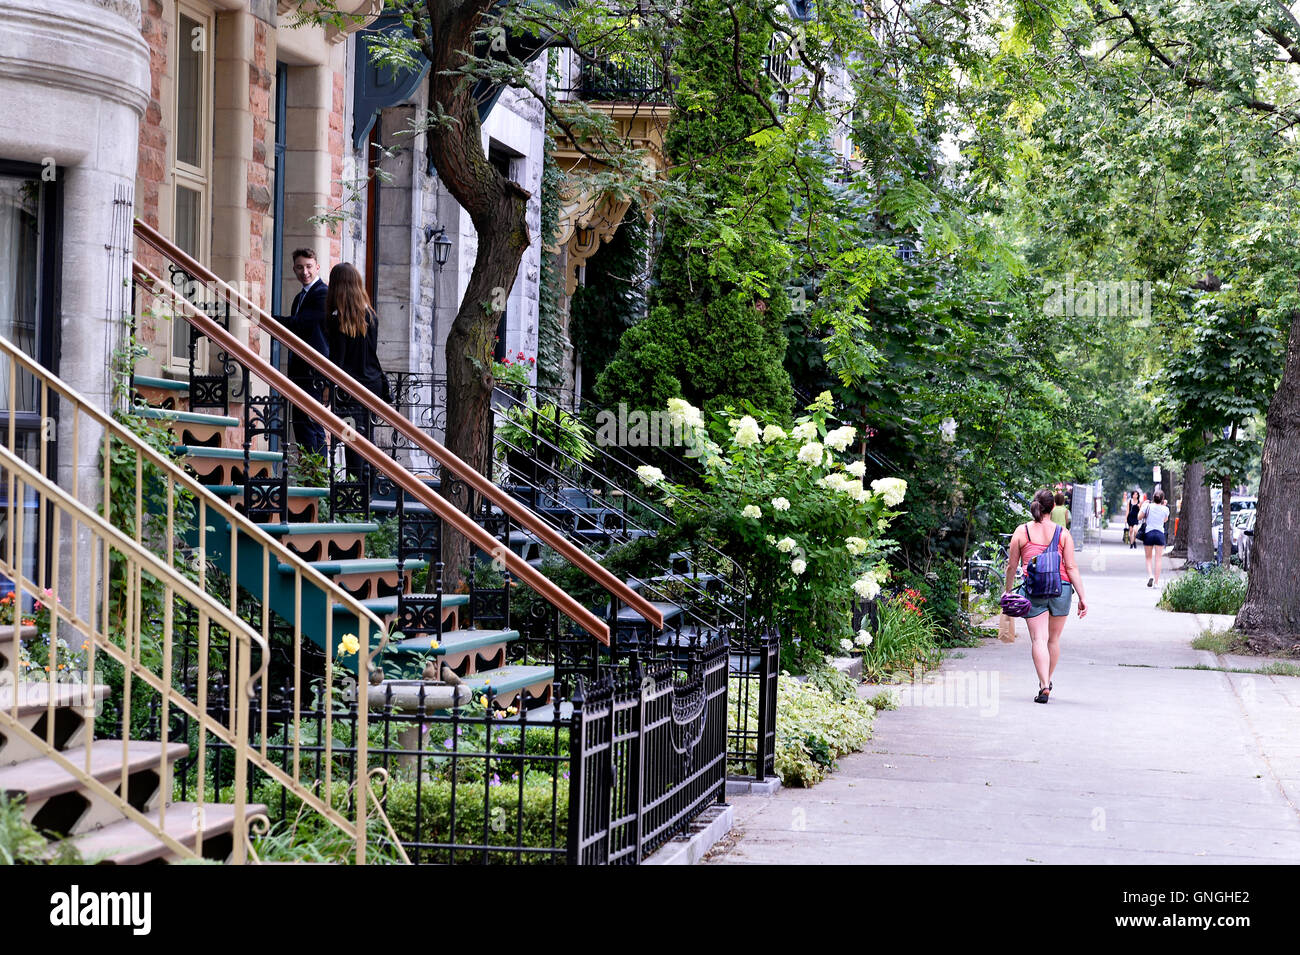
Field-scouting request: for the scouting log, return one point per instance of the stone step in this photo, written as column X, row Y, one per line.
column 75, row 706
column 56, row 801
column 9, row 648
column 365, row 577
column 163, row 392
column 126, row 842
column 304, row 502
column 385, row 608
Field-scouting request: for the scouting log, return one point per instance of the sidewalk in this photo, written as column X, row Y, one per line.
column 1137, row 759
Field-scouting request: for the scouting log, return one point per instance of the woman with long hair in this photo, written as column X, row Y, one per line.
column 1046, row 617
column 353, row 330
column 1155, row 514
column 1134, row 505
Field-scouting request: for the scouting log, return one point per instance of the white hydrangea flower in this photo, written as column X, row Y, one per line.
column 681, row 410
column 804, row 432
column 891, row 489
column 773, row 433
column 785, row 545
column 840, row 438
column 751, row 510
column 866, row 586
column 855, row 546
column 811, row 453
column 649, row 475
column 948, row 430
column 858, row 469
column 780, row 504
column 798, row 566
column 864, row 639
column 746, row 432
column 846, row 645
column 770, row 539
column 862, row 495
column 824, row 402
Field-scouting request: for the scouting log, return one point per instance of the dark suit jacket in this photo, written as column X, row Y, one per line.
column 307, row 321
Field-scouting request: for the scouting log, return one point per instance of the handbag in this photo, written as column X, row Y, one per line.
column 1142, row 532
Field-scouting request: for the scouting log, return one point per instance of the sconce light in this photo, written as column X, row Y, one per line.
column 441, row 244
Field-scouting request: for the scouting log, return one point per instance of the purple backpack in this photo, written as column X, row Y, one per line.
column 1043, row 573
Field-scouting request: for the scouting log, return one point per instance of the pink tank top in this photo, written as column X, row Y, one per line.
column 1030, row 550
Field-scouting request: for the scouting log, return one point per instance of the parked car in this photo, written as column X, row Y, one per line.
column 1241, row 521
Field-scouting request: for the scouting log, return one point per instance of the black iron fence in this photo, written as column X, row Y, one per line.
column 754, row 666
column 649, row 756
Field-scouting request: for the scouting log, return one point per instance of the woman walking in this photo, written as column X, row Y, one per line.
column 1046, row 617
column 1155, row 514
column 353, row 330
column 1134, row 505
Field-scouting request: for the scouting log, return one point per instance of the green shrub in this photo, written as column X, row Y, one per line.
column 905, row 638
column 813, row 729
column 545, row 804
column 21, row 843
column 1220, row 590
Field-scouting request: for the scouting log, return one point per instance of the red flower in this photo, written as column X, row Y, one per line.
column 521, row 356
column 505, row 361
column 532, row 361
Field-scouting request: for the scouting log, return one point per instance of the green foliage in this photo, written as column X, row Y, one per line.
column 550, row 335
column 814, row 728
column 1220, row 590
column 383, row 542
column 536, row 429
column 940, row 592
column 21, row 843
column 495, row 820
column 714, row 333
column 1219, row 641
column 312, row 470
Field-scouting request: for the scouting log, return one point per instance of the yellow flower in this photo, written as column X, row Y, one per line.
column 482, row 700
column 349, row 645
column 433, row 644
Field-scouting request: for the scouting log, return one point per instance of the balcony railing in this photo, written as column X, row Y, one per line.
column 622, row 80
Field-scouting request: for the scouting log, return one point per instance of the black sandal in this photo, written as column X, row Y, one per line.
column 1042, row 693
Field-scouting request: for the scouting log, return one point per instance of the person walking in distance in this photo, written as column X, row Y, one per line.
column 1047, row 615
column 1154, row 515
column 1060, row 513
column 1134, row 505
column 307, row 321
column 353, row 329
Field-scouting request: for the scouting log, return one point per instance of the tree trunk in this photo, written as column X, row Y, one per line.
column 1270, row 617
column 498, row 208
column 1180, row 535
column 1196, row 505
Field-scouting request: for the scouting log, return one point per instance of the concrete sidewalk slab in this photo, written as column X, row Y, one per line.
column 1139, row 757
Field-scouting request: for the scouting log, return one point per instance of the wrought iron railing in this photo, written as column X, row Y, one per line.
column 622, row 79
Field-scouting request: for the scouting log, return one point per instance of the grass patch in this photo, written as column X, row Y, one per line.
column 884, row 700
column 1218, row 641
column 1220, row 590
column 1280, row 669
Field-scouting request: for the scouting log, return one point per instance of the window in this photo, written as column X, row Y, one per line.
column 192, row 141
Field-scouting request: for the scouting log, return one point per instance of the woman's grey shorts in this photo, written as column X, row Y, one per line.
column 1056, row 606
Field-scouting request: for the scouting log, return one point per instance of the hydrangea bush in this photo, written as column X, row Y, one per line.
column 791, row 508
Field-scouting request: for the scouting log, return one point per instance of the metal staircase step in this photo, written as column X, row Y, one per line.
column 166, row 384
column 455, row 647
column 630, row 615
column 128, row 843
column 317, row 541
column 363, row 576
column 34, row 697
column 42, row 778
column 387, row 606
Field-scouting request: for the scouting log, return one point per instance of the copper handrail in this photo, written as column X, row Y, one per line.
column 370, row 452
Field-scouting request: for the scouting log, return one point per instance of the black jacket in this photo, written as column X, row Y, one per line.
column 307, row 321
column 359, row 355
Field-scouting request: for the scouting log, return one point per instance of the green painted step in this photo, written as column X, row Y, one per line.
column 507, row 679
column 224, row 489
column 305, row 528
column 227, row 454
column 387, row 606
column 455, row 641
column 171, row 384
column 360, row 565
column 186, row 417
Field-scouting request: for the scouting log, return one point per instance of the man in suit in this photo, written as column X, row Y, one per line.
column 307, row 321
